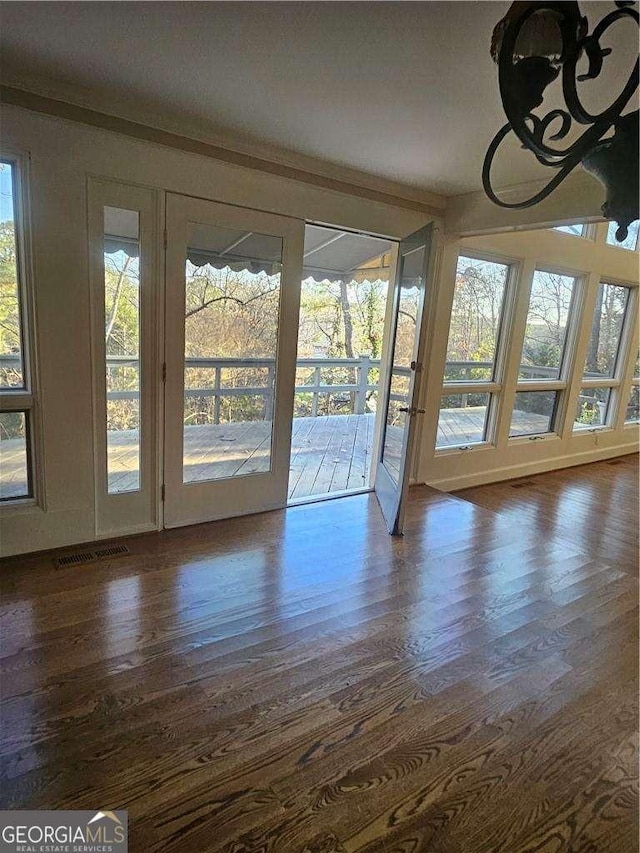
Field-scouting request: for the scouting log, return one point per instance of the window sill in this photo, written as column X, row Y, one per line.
column 10, row 507
column 527, row 439
column 451, row 450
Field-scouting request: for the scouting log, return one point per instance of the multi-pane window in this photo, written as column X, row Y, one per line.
column 471, row 377
column 16, row 399
column 631, row 240
column 540, row 374
column 546, row 329
column 602, row 361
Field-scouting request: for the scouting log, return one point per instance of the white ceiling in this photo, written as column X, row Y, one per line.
column 404, row 91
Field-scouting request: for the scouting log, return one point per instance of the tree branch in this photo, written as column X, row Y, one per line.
column 208, row 302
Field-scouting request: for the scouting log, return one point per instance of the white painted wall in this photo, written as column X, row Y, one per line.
column 63, row 156
column 592, row 259
column 578, row 198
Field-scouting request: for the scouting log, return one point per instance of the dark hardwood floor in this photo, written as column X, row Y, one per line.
column 592, row 506
column 301, row 681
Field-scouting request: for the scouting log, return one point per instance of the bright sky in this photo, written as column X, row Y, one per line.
column 6, row 196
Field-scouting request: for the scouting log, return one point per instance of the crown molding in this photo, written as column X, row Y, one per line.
column 578, row 199
column 357, row 184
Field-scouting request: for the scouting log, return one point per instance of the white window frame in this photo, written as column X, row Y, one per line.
column 495, row 386
column 560, row 385
column 621, row 379
column 25, row 399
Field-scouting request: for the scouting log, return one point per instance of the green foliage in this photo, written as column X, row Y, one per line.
column 322, row 318
column 588, row 414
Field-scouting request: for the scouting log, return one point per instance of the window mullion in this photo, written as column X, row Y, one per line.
column 514, row 329
column 626, row 362
column 605, row 382
column 541, row 385
column 471, row 388
column 584, row 318
column 16, row 402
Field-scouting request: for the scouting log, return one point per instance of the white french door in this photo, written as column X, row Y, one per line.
column 232, row 300
column 402, row 371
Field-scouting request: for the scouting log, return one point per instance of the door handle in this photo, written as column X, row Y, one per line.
column 412, row 411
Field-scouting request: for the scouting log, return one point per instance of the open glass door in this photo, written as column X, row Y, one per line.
column 402, row 369
column 232, row 299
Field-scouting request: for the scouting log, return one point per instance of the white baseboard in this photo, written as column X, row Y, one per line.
column 512, row 472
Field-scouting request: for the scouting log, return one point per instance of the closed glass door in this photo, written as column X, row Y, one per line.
column 233, row 285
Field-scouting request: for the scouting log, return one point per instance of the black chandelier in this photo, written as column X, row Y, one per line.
column 532, row 44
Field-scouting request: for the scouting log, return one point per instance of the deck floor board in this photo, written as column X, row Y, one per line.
column 328, row 453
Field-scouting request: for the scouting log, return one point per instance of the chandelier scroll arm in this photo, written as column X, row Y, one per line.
column 567, row 166
column 570, row 76
column 530, row 53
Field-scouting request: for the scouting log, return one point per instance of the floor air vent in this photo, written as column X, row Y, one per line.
column 74, row 559
column 112, row 551
column 82, row 557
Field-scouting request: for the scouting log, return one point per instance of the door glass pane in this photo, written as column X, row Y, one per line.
column 232, row 299
column 592, row 408
column 122, row 347
column 547, row 319
column 533, row 413
column 475, row 320
column 404, row 348
column 606, row 328
column 11, row 363
column 462, row 420
column 14, row 458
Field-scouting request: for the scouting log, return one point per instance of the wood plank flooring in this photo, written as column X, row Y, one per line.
column 566, row 504
column 302, row 682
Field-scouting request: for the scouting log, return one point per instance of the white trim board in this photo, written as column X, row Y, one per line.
column 540, row 466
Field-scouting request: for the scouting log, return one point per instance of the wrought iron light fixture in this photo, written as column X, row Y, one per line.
column 532, row 45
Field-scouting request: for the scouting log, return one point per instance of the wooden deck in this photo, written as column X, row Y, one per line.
column 328, row 454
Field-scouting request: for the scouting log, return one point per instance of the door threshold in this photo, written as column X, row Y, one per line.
column 329, row 496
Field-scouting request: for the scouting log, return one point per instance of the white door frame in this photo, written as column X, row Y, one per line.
column 194, row 502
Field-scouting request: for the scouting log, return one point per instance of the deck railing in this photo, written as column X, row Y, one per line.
column 358, row 391
column 316, row 385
